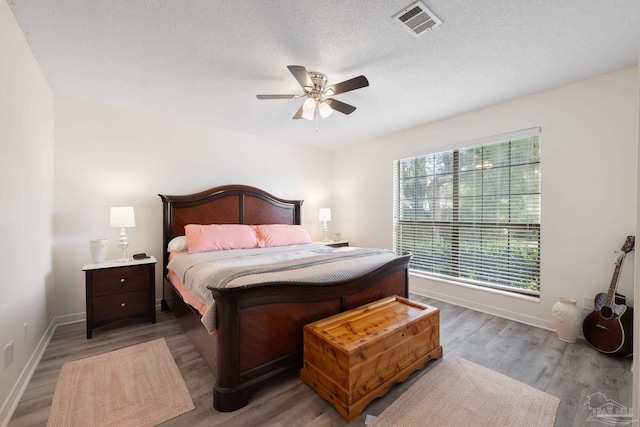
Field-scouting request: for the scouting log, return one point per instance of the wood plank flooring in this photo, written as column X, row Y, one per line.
column 531, row 355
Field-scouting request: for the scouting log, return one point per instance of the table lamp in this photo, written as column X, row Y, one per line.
column 122, row 217
column 325, row 215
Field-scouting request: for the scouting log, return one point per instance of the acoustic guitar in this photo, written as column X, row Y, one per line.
column 609, row 328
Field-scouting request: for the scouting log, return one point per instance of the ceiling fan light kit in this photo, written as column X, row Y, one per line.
column 317, row 93
column 324, row 109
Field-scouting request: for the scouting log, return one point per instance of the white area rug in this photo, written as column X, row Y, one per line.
column 135, row 386
column 461, row 393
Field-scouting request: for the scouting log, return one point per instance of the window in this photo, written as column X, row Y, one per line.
column 473, row 213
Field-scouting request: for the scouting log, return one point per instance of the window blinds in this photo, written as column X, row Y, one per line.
column 473, row 213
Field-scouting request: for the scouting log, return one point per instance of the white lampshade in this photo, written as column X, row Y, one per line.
column 308, row 108
column 324, row 214
column 324, row 109
column 122, row 217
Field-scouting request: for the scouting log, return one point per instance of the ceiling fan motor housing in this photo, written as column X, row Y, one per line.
column 319, row 81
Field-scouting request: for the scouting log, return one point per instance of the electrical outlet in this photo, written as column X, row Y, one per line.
column 8, row 354
column 24, row 332
column 588, row 303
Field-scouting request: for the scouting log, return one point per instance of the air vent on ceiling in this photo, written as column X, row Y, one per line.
column 417, row 19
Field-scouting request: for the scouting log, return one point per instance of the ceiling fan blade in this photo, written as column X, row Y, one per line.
column 298, row 114
column 302, row 75
column 276, row 96
column 340, row 106
column 347, row 85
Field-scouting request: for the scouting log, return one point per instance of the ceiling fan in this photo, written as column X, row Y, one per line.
column 318, row 93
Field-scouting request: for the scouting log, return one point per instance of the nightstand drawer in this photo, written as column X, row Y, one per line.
column 116, row 280
column 119, row 306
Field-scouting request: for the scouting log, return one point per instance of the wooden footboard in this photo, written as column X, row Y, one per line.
column 260, row 326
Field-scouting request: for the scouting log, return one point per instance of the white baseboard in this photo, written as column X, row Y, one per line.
column 68, row 319
column 10, row 405
column 511, row 315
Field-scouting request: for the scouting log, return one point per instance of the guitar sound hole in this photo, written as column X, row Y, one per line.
column 606, row 312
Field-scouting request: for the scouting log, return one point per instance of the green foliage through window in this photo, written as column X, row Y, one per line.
column 473, row 213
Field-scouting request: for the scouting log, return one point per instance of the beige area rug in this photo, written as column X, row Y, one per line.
column 135, row 386
column 460, row 393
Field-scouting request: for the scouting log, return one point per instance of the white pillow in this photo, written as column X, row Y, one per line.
column 178, row 244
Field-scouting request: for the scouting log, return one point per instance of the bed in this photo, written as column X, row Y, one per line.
column 259, row 327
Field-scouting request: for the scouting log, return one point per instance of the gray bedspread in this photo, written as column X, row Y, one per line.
column 312, row 263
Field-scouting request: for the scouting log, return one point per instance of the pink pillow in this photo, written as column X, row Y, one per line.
column 218, row 237
column 280, row 235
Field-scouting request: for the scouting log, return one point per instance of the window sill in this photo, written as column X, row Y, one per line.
column 531, row 298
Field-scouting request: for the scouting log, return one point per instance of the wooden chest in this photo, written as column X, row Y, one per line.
column 356, row 356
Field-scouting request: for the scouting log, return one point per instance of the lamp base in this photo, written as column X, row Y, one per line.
column 123, row 242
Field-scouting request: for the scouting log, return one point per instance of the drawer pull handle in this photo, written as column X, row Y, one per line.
column 122, row 280
column 122, row 305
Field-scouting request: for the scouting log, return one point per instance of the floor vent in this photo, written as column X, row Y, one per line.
column 417, row 19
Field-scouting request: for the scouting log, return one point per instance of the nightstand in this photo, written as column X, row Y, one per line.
column 120, row 290
column 336, row 244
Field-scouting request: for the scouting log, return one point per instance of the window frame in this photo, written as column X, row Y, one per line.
column 456, row 226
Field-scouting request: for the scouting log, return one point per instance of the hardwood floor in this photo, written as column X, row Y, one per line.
column 531, row 355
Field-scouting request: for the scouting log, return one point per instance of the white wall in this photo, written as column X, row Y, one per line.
column 108, row 156
column 588, row 143
column 26, row 194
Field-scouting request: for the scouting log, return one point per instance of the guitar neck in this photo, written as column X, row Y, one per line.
column 614, row 282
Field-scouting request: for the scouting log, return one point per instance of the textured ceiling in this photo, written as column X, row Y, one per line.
column 206, row 60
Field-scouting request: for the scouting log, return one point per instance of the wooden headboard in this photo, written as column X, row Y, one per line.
column 229, row 204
